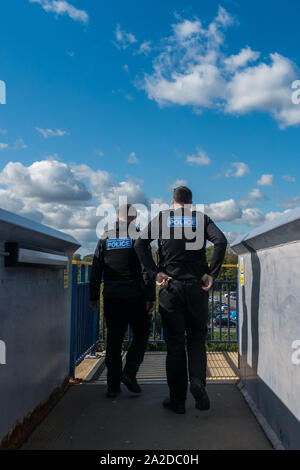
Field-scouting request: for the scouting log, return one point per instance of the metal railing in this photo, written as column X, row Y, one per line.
column 84, row 322
column 88, row 328
column 223, row 318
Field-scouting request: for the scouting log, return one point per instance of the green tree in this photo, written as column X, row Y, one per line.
column 226, row 274
column 88, row 258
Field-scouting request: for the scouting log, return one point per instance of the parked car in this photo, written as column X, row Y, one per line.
column 233, row 314
column 232, row 295
column 225, row 308
column 224, row 321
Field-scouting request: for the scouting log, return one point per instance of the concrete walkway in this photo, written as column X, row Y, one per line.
column 86, row 419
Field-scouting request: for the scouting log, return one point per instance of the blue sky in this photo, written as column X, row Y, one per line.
column 109, row 98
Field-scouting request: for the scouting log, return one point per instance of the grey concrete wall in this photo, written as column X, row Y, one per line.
column 269, row 305
column 34, row 326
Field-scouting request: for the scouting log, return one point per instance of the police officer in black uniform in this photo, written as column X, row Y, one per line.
column 185, row 279
column 129, row 299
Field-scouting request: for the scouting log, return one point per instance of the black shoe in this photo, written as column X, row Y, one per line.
column 131, row 383
column 113, row 392
column 177, row 407
column 198, row 391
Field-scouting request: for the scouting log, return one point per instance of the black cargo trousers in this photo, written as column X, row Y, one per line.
column 183, row 306
column 119, row 313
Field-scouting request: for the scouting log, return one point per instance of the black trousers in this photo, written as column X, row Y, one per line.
column 183, row 306
column 119, row 313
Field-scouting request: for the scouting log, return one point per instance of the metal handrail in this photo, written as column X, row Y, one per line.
column 82, row 263
column 88, row 263
column 4, row 253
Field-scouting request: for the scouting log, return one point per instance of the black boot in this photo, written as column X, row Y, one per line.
column 198, row 391
column 113, row 392
column 177, row 407
column 131, row 383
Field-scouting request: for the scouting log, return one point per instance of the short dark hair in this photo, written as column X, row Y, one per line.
column 183, row 195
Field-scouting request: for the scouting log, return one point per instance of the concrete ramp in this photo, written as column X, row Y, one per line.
column 86, row 419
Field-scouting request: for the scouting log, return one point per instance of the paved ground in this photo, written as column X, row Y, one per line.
column 86, row 419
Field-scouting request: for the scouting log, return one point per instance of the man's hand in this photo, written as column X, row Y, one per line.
column 162, row 280
column 150, row 307
column 207, row 282
column 94, row 304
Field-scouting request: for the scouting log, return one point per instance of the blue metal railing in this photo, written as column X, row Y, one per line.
column 88, row 328
column 84, row 322
column 223, row 317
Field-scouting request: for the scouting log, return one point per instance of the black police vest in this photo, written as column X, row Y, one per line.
column 120, row 259
column 174, row 256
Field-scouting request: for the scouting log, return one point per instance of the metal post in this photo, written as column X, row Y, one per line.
column 212, row 309
column 92, row 354
column 73, row 321
column 82, row 273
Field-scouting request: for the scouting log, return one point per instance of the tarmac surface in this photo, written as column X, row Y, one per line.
column 85, row 419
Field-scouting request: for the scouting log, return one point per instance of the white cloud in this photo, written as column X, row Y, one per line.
column 20, row 145
column 223, row 211
column 252, row 217
column 197, row 88
column 254, row 195
column 3, row 131
column 199, row 159
column 176, row 184
column 128, row 97
column 62, row 7
column 46, row 181
column 192, row 69
column 126, row 68
column 240, row 169
column 241, row 59
column 291, row 202
column 274, row 215
column 289, row 178
column 265, row 87
column 133, row 159
column 123, row 39
column 145, row 48
column 46, row 133
column 187, row 28
column 64, row 197
column 186, row 71
column 266, row 180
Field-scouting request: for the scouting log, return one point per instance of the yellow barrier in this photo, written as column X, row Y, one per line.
column 84, row 263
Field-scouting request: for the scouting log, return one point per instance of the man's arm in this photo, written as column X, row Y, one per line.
column 149, row 284
column 96, row 273
column 143, row 250
column 149, row 290
column 215, row 236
